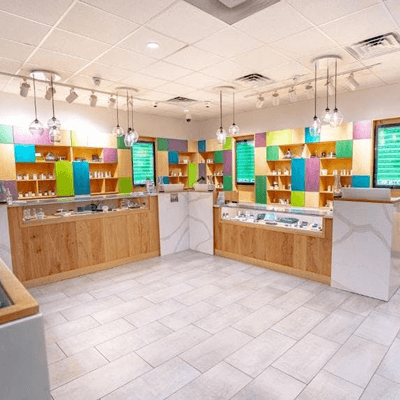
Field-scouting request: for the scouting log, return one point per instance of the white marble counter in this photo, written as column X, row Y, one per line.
column 366, row 248
column 5, row 247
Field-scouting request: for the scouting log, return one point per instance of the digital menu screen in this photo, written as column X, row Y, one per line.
column 142, row 162
column 245, row 162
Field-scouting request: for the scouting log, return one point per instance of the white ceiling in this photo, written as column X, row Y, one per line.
column 80, row 39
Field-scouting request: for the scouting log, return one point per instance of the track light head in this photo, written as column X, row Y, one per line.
column 260, row 101
column 93, row 100
column 351, row 82
column 208, row 104
column 96, row 81
column 111, row 102
column 72, row 96
column 24, row 88
column 310, row 91
column 50, row 92
column 155, row 104
column 275, row 99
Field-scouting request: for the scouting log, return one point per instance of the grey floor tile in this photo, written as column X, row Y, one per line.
column 261, row 297
column 114, row 288
column 234, row 280
column 293, row 299
column 54, row 353
column 212, row 351
column 229, row 296
column 390, row 367
column 207, row 279
column 357, row 360
column 272, row 384
column 381, row 389
column 260, row 353
column 135, row 293
column 287, row 282
column 392, row 306
column 169, row 292
column 338, row 326
column 219, row 383
column 198, row 294
column 172, row 345
column 59, row 305
column 328, row 300
column 328, row 386
column 63, row 285
column 305, row 359
column 358, row 304
column 157, row 384
column 263, row 280
column 54, row 319
column 50, row 297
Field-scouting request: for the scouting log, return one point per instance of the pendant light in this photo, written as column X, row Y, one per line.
column 135, row 135
column 233, row 129
column 36, row 127
column 131, row 136
column 316, row 125
column 53, row 123
column 118, row 131
column 221, row 133
column 326, row 118
column 337, row 116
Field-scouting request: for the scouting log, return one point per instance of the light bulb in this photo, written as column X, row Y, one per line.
column 55, row 134
column 129, row 138
column 326, row 118
column 53, row 122
column 315, row 129
column 118, row 131
column 233, row 129
column 135, row 136
column 336, row 119
column 36, row 127
column 221, row 135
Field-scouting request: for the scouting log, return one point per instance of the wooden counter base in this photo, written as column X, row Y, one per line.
column 298, row 254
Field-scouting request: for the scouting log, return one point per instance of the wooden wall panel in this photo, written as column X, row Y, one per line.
column 65, row 139
column 7, row 163
column 260, row 160
column 343, row 132
column 116, row 238
column 192, row 146
column 124, row 169
column 362, row 156
column 311, row 199
column 298, row 136
column 162, row 165
column 90, row 242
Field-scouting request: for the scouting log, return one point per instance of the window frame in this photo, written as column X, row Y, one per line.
column 236, row 160
column 154, row 164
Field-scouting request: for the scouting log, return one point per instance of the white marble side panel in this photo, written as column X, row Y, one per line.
column 201, row 222
column 5, row 247
column 174, row 223
column 394, row 278
column 362, row 240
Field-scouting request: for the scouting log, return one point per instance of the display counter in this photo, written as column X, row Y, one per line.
column 291, row 240
column 61, row 238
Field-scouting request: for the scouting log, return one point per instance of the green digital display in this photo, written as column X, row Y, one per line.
column 387, row 156
column 142, row 162
column 245, row 162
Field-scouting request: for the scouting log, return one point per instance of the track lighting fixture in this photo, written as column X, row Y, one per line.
column 275, row 99
column 111, row 102
column 50, row 92
column 351, row 82
column 36, row 127
column 310, row 91
column 24, row 88
column 208, row 104
column 260, row 101
column 155, row 104
column 72, row 96
column 292, row 95
column 93, row 100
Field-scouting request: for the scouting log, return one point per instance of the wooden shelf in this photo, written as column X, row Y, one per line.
column 35, row 180
column 279, row 190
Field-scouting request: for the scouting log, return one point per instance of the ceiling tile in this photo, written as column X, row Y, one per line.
column 287, row 71
column 14, row 50
column 153, row 95
column 106, row 72
column 185, row 22
column 142, row 81
column 228, row 43
column 138, row 40
column 74, row 45
column 47, row 12
column 21, row 30
column 175, row 89
column 55, row 61
column 322, row 11
column 307, row 43
column 389, row 76
column 96, row 24
column 126, row 59
column 394, row 8
column 362, row 25
column 87, row 82
column 135, row 10
column 202, row 95
column 193, row 58
column 274, row 23
column 227, row 70
column 9, row 66
column 261, row 58
column 163, row 70
column 200, row 81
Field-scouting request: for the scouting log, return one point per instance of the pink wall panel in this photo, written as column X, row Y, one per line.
column 110, row 155
column 362, row 130
column 312, row 175
column 23, row 136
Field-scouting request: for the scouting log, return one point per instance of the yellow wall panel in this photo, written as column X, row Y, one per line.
column 342, row 132
column 363, row 151
column 260, row 159
column 312, row 199
column 7, row 163
column 298, row 136
column 124, row 163
column 278, row 138
column 65, row 139
column 213, row 145
column 162, row 163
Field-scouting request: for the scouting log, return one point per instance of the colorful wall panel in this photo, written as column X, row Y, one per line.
column 312, row 174
column 202, row 170
column 110, row 155
column 297, row 199
column 272, row 153
column 178, row 145
column 298, row 174
column 227, row 183
column 228, row 144
column 192, row 174
column 261, row 189
column 361, row 181
column 6, row 134
column 227, row 160
column 81, row 178
column 24, row 136
column 162, row 144
column 344, row 149
column 362, row 130
column 11, row 186
column 278, row 138
column 64, row 178
column 201, row 145
column 260, row 140
column 218, row 157
column 173, row 157
column 25, row 153
column 125, row 185
column 311, row 138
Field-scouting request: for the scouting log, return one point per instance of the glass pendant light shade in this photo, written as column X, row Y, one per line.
column 118, row 131
column 135, row 136
column 36, row 127
column 234, row 129
column 129, row 138
column 336, row 119
column 315, row 129
column 53, row 122
column 326, row 118
column 221, row 135
column 55, row 134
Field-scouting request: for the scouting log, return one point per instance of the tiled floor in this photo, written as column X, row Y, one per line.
column 192, row 326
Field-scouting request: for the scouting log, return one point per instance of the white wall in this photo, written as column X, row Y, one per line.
column 374, row 103
column 19, row 111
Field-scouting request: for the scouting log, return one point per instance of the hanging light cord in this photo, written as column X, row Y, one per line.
column 335, row 81
column 133, row 128
column 34, row 95
column 52, row 95
column 234, row 108
column 220, row 107
column 327, row 87
column 127, row 105
column 117, row 112
column 315, row 97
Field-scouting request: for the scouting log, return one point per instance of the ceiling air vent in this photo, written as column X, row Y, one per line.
column 254, row 80
column 376, row 46
column 181, row 101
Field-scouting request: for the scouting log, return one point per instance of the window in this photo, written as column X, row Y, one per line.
column 143, row 162
column 387, row 156
column 245, row 162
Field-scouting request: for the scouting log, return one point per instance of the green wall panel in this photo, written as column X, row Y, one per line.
column 121, row 143
column 64, row 178
column 227, row 183
column 298, row 199
column 192, row 174
column 125, row 185
column 218, row 157
column 344, row 149
column 261, row 189
column 162, row 144
column 228, row 144
column 6, row 134
column 272, row 153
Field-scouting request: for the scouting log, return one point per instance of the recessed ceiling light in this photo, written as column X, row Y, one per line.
column 152, row 45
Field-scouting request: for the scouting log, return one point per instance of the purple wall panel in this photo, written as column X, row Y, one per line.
column 110, row 155
column 260, row 140
column 177, row 145
column 23, row 136
column 202, row 170
column 12, row 185
column 362, row 130
column 227, row 162
column 312, row 175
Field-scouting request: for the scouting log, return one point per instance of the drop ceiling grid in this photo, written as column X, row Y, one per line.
column 79, row 67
